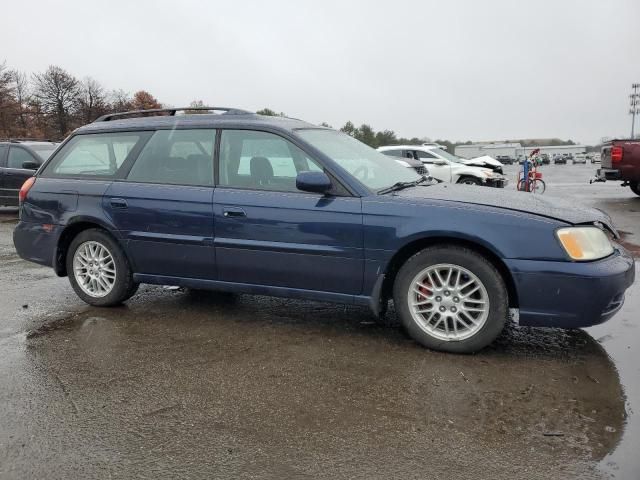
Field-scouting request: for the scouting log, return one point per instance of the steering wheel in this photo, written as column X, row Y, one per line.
column 362, row 172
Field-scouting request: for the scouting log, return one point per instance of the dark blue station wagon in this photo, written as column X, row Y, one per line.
column 274, row 206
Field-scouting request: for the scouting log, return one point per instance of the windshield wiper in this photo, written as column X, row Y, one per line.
column 402, row 185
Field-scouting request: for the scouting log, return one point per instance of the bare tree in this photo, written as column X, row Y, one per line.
column 58, row 92
column 92, row 100
column 22, row 97
column 7, row 102
column 120, row 101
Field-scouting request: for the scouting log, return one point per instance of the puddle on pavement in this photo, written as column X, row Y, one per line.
column 307, row 380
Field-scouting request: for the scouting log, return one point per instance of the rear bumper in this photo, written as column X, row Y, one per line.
column 36, row 243
column 571, row 294
column 608, row 174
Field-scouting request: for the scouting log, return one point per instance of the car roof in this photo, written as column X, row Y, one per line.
column 228, row 120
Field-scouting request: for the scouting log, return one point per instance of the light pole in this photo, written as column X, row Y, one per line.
column 635, row 106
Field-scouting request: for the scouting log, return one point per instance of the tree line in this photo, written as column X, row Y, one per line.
column 366, row 134
column 50, row 104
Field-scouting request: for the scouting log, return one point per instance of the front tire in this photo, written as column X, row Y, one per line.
column 98, row 269
column 451, row 299
column 469, row 181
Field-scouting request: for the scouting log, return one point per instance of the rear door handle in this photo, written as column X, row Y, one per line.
column 118, row 202
column 233, row 212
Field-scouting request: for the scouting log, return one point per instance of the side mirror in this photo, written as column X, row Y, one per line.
column 30, row 165
column 316, row 182
column 440, row 162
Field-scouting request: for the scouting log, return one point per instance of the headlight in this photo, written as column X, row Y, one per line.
column 585, row 243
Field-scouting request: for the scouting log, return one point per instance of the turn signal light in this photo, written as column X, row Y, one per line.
column 26, row 186
column 616, row 154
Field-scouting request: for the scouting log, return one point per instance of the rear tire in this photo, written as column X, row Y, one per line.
column 98, row 269
column 635, row 187
column 438, row 311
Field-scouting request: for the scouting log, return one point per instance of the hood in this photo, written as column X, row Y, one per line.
column 484, row 160
column 549, row 207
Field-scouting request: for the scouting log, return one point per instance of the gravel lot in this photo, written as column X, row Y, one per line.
column 180, row 384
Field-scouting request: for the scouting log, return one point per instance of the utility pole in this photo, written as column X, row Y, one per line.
column 635, row 106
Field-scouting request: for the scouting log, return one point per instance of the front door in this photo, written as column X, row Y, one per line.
column 438, row 168
column 269, row 233
column 163, row 208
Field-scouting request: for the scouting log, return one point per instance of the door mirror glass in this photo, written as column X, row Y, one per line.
column 316, row 182
column 30, row 165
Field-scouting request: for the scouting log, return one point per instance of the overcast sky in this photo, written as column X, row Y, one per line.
column 479, row 70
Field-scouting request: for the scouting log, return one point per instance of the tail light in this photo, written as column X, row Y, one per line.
column 616, row 154
column 26, row 186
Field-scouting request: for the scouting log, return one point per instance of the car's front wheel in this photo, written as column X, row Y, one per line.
column 451, row 299
column 469, row 181
column 98, row 269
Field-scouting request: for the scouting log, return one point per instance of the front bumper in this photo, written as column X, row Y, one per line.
column 497, row 182
column 608, row 174
column 572, row 294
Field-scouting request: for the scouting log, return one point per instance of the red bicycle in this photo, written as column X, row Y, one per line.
column 534, row 182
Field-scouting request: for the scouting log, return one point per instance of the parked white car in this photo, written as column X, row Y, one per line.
column 446, row 167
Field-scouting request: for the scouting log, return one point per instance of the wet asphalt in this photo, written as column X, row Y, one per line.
column 181, row 384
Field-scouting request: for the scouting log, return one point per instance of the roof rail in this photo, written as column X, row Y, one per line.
column 26, row 139
column 170, row 111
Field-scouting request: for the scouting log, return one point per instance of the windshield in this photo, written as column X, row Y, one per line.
column 43, row 151
column 446, row 155
column 372, row 168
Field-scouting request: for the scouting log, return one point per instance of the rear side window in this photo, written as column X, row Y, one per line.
column 179, row 157
column 100, row 154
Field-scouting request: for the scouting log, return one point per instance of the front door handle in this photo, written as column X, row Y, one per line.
column 118, row 202
column 233, row 212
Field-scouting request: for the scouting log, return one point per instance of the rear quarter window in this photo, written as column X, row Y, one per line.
column 94, row 155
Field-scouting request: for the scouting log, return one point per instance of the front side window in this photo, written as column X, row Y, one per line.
column 17, row 157
column 178, row 157
column 261, row 161
column 375, row 170
column 393, row 153
column 425, row 155
column 100, row 154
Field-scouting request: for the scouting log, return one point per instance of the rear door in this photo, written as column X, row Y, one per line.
column 15, row 173
column 163, row 206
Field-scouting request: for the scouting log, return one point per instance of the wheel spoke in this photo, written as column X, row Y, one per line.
column 448, row 302
column 94, row 269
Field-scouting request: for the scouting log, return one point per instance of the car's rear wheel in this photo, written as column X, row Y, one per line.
column 98, row 269
column 635, row 187
column 451, row 299
column 469, row 181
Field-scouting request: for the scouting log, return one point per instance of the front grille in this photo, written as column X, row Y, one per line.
column 421, row 170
